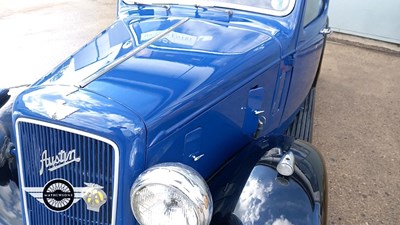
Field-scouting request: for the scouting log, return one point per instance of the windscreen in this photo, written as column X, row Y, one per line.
column 277, row 5
column 270, row 7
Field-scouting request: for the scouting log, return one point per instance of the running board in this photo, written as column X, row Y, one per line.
column 302, row 126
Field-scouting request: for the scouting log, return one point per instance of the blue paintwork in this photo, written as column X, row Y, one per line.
column 306, row 61
column 192, row 92
column 170, row 77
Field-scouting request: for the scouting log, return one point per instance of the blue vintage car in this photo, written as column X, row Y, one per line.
column 180, row 113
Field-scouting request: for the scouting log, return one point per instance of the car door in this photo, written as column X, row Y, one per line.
column 308, row 54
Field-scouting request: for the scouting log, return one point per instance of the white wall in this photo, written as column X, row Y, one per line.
column 376, row 19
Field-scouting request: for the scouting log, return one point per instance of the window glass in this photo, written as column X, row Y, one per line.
column 278, row 5
column 312, row 10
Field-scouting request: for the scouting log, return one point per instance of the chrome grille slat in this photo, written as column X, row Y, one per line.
column 97, row 165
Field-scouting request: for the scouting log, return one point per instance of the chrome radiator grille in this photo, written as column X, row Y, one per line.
column 97, row 164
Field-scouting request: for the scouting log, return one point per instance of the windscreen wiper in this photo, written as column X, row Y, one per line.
column 142, row 4
column 167, row 6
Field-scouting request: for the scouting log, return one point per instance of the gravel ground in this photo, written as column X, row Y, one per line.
column 357, row 110
column 36, row 35
column 356, row 126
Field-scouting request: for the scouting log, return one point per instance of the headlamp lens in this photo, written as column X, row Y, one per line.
column 171, row 194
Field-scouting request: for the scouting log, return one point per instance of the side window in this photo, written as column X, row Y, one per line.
column 312, row 10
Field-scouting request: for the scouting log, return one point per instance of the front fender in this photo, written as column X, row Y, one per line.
column 249, row 191
column 4, row 96
column 10, row 210
column 7, row 98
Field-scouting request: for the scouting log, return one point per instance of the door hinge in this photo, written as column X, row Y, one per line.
column 287, row 64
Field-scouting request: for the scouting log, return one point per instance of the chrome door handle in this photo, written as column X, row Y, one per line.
column 325, row 31
column 258, row 112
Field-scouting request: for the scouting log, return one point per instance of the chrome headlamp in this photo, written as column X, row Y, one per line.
column 171, row 194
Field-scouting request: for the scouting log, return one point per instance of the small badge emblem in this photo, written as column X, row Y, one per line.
column 94, row 196
column 59, row 195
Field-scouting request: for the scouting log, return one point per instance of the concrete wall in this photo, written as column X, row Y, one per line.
column 376, row 19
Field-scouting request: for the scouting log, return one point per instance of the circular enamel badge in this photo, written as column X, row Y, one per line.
column 58, row 195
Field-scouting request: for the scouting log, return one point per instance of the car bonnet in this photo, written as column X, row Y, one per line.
column 158, row 66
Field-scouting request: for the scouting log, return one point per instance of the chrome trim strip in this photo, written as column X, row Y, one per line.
column 216, row 4
column 123, row 58
column 209, row 52
column 75, row 131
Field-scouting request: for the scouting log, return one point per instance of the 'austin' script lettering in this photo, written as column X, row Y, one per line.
column 63, row 158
